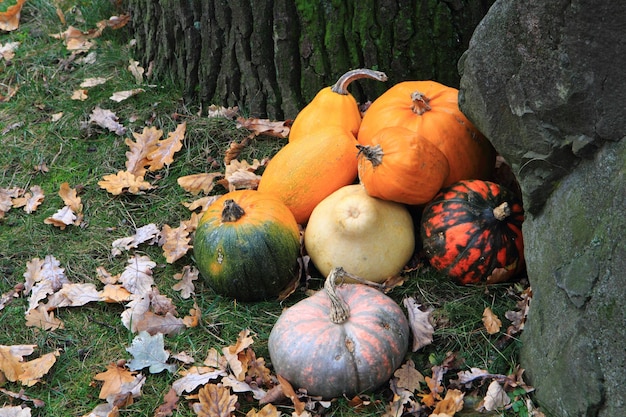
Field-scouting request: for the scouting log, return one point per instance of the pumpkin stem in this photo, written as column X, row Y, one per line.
column 420, row 103
column 231, row 211
column 339, row 310
column 502, row 211
column 341, row 86
column 374, row 154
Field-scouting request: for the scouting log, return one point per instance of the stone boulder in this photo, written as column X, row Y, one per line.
column 543, row 80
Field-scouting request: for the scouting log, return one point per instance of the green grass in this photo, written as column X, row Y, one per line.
column 94, row 335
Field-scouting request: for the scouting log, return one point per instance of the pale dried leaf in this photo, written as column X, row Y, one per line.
column 186, row 278
column 81, row 95
column 148, row 233
column 264, row 127
column 33, row 371
column 124, row 181
column 164, row 150
column 242, row 386
column 136, row 70
column 108, row 120
column 30, row 201
column 153, row 324
column 120, row 96
column 112, row 293
column 62, row 218
column 15, row 411
column 222, row 112
column 137, row 156
column 196, row 183
column 73, row 295
column 70, row 197
column 175, row 242
column 420, row 323
column 491, row 321
column 137, row 276
column 42, row 319
column 92, row 82
column 496, row 397
column 409, row 377
column 7, row 51
column 195, row 377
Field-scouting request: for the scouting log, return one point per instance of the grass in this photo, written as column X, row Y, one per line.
column 45, row 75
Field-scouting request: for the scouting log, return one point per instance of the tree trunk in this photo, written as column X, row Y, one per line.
column 271, row 57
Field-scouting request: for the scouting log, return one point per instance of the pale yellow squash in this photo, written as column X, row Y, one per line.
column 369, row 237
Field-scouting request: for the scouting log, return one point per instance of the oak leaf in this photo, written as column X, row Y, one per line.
column 124, row 181
column 62, row 218
column 233, row 354
column 6, row 199
column 186, row 278
column 170, row 403
column 240, row 175
column 495, row 398
column 113, row 379
column 148, row 233
column 108, row 120
column 195, row 377
column 112, row 293
column 12, row 360
column 175, row 242
column 10, row 18
column 137, row 276
column 7, row 51
column 409, row 377
column 15, row 411
column 153, row 324
column 291, row 394
column 137, row 155
column 420, row 323
column 73, row 295
column 491, row 321
column 71, row 213
column 215, row 401
column 163, row 151
column 40, row 317
column 120, row 96
column 242, row 386
column 93, row 81
column 196, row 183
column 30, row 200
column 264, row 127
column 269, row 410
column 81, row 95
column 136, row 70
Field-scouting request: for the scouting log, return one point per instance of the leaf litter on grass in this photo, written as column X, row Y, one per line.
column 232, row 375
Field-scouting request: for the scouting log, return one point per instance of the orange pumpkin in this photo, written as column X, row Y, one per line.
column 333, row 106
column 304, row 172
column 431, row 109
column 399, row 165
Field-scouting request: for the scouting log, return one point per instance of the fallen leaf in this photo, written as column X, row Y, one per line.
column 10, row 18
column 231, row 353
column 196, row 183
column 12, row 360
column 62, row 218
column 215, row 401
column 147, row 233
column 15, row 411
column 162, row 153
column 42, row 319
column 80, row 95
column 291, row 394
column 452, row 402
column 7, row 51
column 175, row 242
column 240, row 175
column 120, row 96
column 409, row 377
column 108, row 120
column 124, row 181
column 113, row 379
column 269, row 410
column 186, row 278
column 495, row 398
column 137, row 155
column 92, row 82
column 264, row 127
column 148, row 352
column 195, row 377
column 30, row 201
column 33, row 371
column 170, row 403
column 153, row 324
column 491, row 321
column 137, row 276
column 222, row 112
column 420, row 323
column 136, row 70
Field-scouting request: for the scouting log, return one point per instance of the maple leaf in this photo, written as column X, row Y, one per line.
column 108, row 120
column 124, row 181
column 175, row 242
column 186, row 278
column 113, row 379
column 491, row 321
column 120, row 96
column 137, row 276
column 195, row 377
column 30, row 201
column 196, row 183
column 40, row 317
column 33, row 371
column 215, row 401
column 164, row 150
column 420, row 324
column 148, row 352
column 148, row 233
column 409, row 377
column 10, row 18
column 137, row 155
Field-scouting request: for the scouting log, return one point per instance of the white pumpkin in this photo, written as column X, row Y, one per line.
column 366, row 236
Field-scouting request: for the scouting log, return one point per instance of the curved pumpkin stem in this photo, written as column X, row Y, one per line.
column 341, row 86
column 231, row 211
column 420, row 103
column 502, row 211
column 374, row 154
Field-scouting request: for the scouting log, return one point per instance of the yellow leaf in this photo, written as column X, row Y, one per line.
column 10, row 19
column 34, row 370
column 123, row 181
column 491, row 321
column 216, row 401
column 164, row 150
column 113, row 379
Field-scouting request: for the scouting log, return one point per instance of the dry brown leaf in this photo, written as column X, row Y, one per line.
column 108, row 120
column 30, row 200
column 137, row 156
column 137, row 276
column 124, row 181
column 186, row 278
column 163, row 151
column 434, row 385
column 6, row 199
column 269, row 410
column 452, row 402
column 240, row 175
column 12, row 360
column 195, row 377
column 291, row 394
column 70, row 197
column 216, row 401
column 266, row 127
column 73, row 295
column 114, row 22
column 42, row 319
column 77, row 40
column 420, row 323
column 112, row 293
column 113, row 379
column 222, row 112
column 105, row 276
column 175, row 242
column 495, row 398
column 491, row 321
column 81, row 95
column 409, row 377
column 196, row 183
column 120, row 96
column 10, row 19
column 170, row 403
column 236, row 361
column 154, row 323
column 93, row 81
column 33, row 371
column 136, row 70
column 147, row 233
column 62, row 218
column 518, row 317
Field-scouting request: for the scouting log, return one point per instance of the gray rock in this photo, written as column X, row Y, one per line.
column 543, row 80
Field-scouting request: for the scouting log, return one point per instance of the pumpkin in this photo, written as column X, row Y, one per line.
column 367, row 236
column 333, row 106
column 400, row 165
column 340, row 341
column 304, row 172
column 472, row 231
column 246, row 245
column 431, row 109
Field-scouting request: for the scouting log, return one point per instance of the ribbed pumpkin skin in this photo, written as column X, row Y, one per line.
column 304, row 172
column 462, row 237
column 411, row 170
column 331, row 360
column 252, row 258
column 469, row 153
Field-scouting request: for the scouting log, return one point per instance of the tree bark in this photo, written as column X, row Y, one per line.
column 271, row 57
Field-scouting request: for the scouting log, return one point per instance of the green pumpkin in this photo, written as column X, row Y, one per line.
column 246, row 245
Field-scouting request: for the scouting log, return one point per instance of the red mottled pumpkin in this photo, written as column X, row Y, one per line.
column 246, row 245
column 340, row 341
column 472, row 231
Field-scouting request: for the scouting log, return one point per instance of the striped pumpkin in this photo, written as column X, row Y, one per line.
column 340, row 341
column 472, row 231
